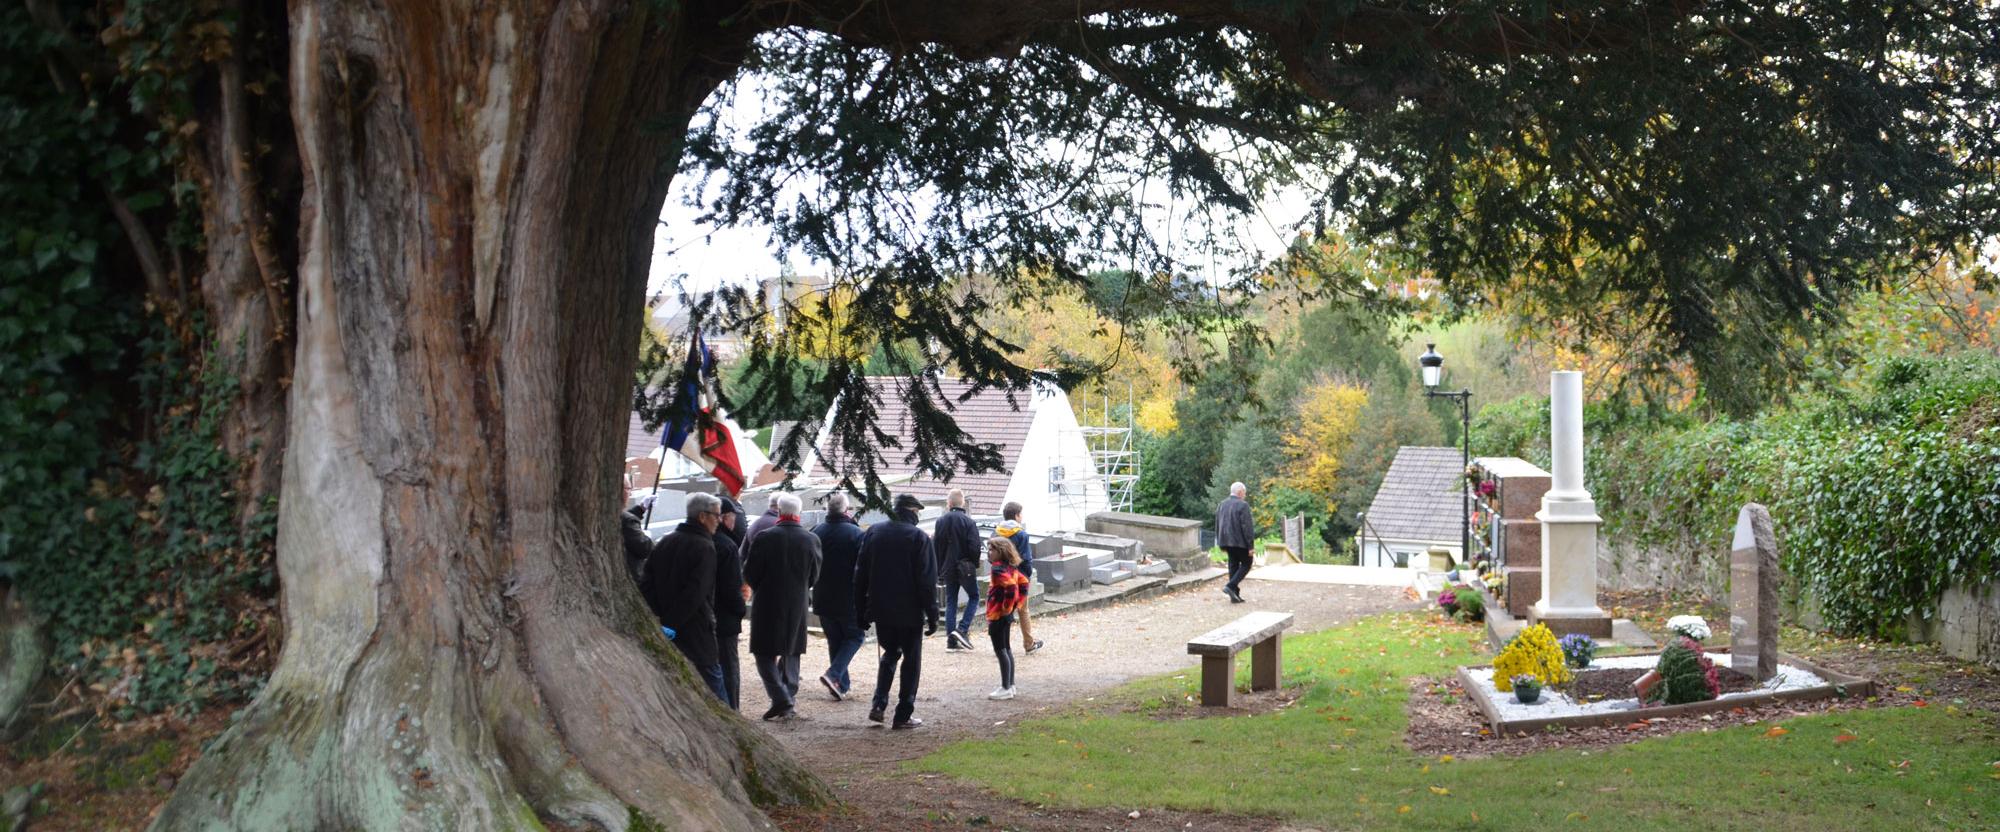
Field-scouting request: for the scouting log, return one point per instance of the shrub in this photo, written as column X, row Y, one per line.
column 1534, row 653
column 1471, row 607
column 1686, row 675
column 1579, row 649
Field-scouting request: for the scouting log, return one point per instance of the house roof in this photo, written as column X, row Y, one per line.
column 1419, row 497
column 638, row 440
column 987, row 416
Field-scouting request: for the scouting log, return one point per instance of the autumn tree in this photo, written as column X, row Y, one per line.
column 422, row 229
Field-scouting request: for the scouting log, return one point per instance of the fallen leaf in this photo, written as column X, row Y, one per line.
column 1903, row 688
column 1446, row 758
column 1403, row 809
column 1776, row 731
column 1921, row 703
column 1845, row 738
column 1440, row 790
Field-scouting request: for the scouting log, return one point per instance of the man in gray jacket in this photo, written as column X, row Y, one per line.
column 1234, row 533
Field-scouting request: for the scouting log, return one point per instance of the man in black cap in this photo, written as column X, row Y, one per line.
column 730, row 595
column 895, row 584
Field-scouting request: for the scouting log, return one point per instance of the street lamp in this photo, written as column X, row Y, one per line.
column 1432, row 366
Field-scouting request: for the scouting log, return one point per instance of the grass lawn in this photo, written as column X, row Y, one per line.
column 1336, row 758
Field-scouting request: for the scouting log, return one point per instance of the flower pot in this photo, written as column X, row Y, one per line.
column 1527, row 695
column 1644, row 684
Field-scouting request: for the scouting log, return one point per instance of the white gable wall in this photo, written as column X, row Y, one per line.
column 1055, row 439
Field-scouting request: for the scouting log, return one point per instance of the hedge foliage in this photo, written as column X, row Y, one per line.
column 1882, row 494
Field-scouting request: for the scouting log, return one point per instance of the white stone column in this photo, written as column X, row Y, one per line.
column 1569, row 522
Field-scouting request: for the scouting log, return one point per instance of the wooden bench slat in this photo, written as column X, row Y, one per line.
column 1237, row 636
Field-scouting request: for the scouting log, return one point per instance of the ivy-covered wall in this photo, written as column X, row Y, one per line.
column 1883, row 495
column 119, row 524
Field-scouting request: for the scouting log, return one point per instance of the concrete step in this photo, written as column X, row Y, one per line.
column 1111, row 573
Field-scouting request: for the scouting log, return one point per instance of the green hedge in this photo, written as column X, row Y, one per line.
column 1882, row 496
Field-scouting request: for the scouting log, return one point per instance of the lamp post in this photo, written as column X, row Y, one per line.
column 1432, row 366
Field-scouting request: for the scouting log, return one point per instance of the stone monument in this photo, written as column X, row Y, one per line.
column 1753, row 595
column 1569, row 523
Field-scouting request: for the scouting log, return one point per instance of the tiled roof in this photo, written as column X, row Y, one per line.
column 986, row 417
column 1419, row 497
column 638, row 440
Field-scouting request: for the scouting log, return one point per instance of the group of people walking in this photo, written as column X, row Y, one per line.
column 700, row 578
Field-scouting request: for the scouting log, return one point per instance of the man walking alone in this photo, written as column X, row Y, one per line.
column 782, row 565
column 1234, row 533
column 895, row 586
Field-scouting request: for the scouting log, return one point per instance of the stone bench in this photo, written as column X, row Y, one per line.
column 1217, row 648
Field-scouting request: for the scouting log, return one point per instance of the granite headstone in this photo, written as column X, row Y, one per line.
column 1753, row 595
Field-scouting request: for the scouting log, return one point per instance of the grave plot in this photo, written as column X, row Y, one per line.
column 1611, row 680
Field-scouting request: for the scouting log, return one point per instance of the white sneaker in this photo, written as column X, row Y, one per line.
column 1001, row 693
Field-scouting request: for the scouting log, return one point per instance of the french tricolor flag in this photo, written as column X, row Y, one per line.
column 698, row 428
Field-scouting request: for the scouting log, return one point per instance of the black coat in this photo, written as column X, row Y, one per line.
column 1233, row 527
column 958, row 547
column 895, row 579
column 783, row 563
column 638, row 546
column 729, row 606
column 839, row 546
column 680, row 587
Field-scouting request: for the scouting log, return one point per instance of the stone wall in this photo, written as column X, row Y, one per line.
column 1967, row 625
column 1968, row 622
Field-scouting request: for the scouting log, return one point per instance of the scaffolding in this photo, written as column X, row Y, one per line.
column 1112, row 454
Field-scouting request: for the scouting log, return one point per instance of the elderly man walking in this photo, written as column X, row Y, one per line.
column 679, row 585
column 781, row 567
column 833, row 595
column 959, row 552
column 895, row 586
column 1234, row 534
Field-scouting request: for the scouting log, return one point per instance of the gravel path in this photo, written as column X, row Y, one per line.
column 1086, row 652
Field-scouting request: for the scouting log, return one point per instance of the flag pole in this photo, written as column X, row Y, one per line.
column 659, row 473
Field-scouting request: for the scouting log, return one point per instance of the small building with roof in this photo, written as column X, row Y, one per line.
column 1417, row 508
column 1047, row 463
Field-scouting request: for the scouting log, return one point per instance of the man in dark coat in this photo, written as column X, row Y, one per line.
column 781, row 567
column 895, row 587
column 730, row 594
column 833, row 596
column 680, row 587
column 1234, row 534
column 959, row 552
column 638, row 546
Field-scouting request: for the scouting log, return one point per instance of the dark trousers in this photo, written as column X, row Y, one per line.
column 1239, row 565
column 900, row 643
column 732, row 668
column 843, row 640
column 1001, row 632
column 781, row 678
column 961, row 578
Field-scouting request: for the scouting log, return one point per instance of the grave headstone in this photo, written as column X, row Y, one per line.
column 1753, row 595
column 1295, row 535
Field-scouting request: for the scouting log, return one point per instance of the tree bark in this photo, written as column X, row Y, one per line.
column 464, row 650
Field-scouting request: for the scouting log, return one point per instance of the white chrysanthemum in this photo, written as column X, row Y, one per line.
column 1691, row 626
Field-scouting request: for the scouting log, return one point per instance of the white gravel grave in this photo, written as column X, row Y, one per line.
column 1557, row 704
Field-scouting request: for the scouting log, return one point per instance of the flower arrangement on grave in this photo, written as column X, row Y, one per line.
column 1448, row 601
column 1689, row 627
column 1685, row 675
column 1534, row 653
column 1578, row 648
column 1487, row 488
column 1471, row 607
column 1527, row 689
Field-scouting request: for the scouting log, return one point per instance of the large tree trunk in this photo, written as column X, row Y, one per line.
column 463, row 648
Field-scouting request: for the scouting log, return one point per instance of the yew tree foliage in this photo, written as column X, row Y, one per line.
column 1722, row 173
